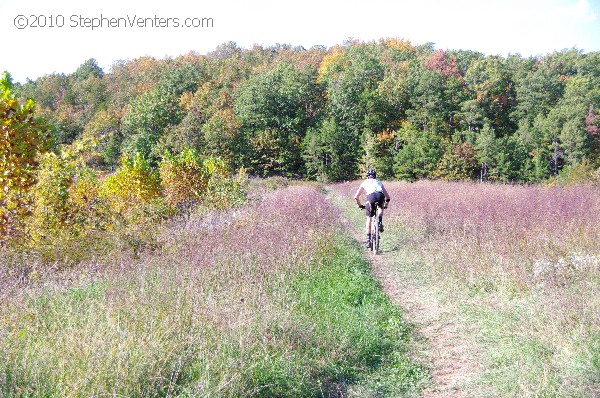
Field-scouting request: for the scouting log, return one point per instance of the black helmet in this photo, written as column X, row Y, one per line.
column 371, row 174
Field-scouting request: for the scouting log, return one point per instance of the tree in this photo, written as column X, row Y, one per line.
column 491, row 82
column 379, row 151
column 184, row 179
column 459, row 163
column 592, row 128
column 189, row 180
column 329, row 152
column 22, row 138
column 485, row 144
column 88, row 69
column 538, row 89
column 103, row 130
column 419, row 153
column 146, row 120
column 132, row 189
column 532, row 138
column 509, row 160
column 275, row 109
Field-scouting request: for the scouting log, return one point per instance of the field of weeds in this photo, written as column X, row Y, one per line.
column 272, row 300
column 520, row 264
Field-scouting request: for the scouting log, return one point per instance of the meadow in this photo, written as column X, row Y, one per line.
column 520, row 265
column 270, row 299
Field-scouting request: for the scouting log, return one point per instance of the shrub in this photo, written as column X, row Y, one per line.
column 51, row 199
column 134, row 192
column 189, row 180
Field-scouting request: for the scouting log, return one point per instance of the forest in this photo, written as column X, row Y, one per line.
column 96, row 149
column 409, row 111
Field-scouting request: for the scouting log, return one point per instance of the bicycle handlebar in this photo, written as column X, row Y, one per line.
column 385, row 206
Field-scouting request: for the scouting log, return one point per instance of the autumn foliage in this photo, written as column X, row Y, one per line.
column 188, row 181
column 22, row 137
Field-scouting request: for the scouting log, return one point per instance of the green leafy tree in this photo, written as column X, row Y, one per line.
column 88, row 69
column 491, row 81
column 509, row 160
column 419, row 153
column 146, row 120
column 275, row 109
column 485, row 145
column 532, row 139
column 538, row 89
column 379, row 151
column 330, row 153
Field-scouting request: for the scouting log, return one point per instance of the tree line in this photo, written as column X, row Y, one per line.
column 409, row 111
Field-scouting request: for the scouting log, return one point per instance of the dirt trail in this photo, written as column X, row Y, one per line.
column 443, row 342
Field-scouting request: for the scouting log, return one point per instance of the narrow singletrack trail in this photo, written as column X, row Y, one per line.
column 444, row 345
column 443, row 342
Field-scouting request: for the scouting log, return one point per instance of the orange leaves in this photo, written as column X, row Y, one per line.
column 386, row 136
column 440, row 62
column 189, row 180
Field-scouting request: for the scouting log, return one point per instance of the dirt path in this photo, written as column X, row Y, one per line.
column 443, row 343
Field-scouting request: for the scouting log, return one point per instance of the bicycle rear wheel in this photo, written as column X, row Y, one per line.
column 375, row 236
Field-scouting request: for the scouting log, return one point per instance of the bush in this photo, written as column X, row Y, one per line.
column 188, row 180
column 134, row 191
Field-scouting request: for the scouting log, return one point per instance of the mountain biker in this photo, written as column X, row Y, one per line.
column 376, row 193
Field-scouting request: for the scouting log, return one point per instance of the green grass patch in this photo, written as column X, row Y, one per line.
column 367, row 327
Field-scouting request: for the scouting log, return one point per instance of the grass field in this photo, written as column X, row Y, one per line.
column 519, row 265
column 273, row 299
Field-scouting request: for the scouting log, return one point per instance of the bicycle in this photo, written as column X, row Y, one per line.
column 375, row 234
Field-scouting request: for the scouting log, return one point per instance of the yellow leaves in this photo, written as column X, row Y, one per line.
column 398, row 44
column 135, row 180
column 331, row 61
column 186, row 101
column 386, row 136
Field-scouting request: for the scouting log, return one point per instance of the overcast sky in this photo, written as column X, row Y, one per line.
column 527, row 27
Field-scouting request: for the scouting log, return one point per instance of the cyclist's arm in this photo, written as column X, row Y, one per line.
column 357, row 195
column 385, row 193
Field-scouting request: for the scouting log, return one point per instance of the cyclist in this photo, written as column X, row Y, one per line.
column 376, row 193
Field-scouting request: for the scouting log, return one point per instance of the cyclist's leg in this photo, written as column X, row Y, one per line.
column 380, row 199
column 368, row 224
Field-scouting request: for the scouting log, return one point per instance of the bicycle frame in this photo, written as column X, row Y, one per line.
column 375, row 234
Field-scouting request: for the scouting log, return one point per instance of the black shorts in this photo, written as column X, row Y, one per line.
column 375, row 197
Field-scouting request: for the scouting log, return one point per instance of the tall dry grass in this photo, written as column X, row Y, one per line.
column 261, row 302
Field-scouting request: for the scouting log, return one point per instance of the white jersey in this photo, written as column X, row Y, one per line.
column 371, row 185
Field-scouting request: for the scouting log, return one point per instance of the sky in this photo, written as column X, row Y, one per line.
column 41, row 37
